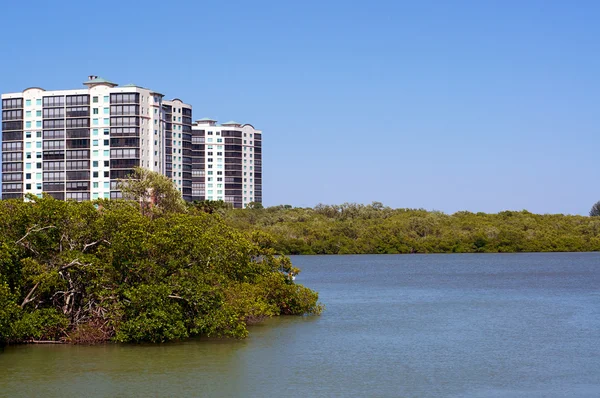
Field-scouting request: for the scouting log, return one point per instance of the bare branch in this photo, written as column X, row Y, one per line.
column 71, row 264
column 29, row 299
column 45, row 342
column 32, row 230
column 87, row 245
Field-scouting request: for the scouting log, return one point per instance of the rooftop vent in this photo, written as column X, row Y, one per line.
column 92, row 77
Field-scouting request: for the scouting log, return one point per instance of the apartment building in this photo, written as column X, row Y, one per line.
column 178, row 145
column 227, row 162
column 77, row 144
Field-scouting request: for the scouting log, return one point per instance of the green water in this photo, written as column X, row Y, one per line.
column 521, row 325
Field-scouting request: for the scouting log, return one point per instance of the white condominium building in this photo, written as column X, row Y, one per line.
column 229, row 162
column 78, row 144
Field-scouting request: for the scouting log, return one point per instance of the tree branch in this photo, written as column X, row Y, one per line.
column 28, row 298
column 85, row 247
column 33, row 229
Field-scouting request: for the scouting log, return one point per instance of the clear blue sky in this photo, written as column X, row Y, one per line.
column 447, row 105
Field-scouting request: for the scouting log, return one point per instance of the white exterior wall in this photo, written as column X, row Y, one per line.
column 99, row 141
column 215, row 163
column 156, row 132
column 32, row 140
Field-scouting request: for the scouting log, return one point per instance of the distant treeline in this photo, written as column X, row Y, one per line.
column 368, row 229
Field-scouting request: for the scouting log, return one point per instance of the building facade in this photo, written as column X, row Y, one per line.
column 227, row 162
column 77, row 144
column 178, row 145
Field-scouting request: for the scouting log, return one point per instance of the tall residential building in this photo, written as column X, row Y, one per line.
column 178, row 145
column 227, row 162
column 77, row 144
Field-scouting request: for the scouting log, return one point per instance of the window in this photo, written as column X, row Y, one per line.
column 78, row 154
column 28, row 134
column 28, row 125
column 95, row 185
column 107, row 153
column 77, row 165
column 106, row 131
column 38, row 134
column 54, row 176
column 50, row 145
column 95, row 163
column 54, row 166
column 38, row 113
column 38, row 102
column 38, row 124
column 95, row 100
column 95, row 142
column 95, row 122
column 95, row 111
column 106, row 185
column 107, row 174
column 106, row 163
column 27, row 102
column 106, row 121
column 95, row 174
column 50, row 113
column 28, row 176
column 81, row 99
column 28, row 114
column 106, row 142
column 106, row 99
column 107, row 111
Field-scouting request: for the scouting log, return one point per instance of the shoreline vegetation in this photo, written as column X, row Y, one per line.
column 141, row 270
column 376, row 229
column 151, row 268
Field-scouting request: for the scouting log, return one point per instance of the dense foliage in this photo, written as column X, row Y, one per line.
column 357, row 229
column 595, row 211
column 111, row 270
